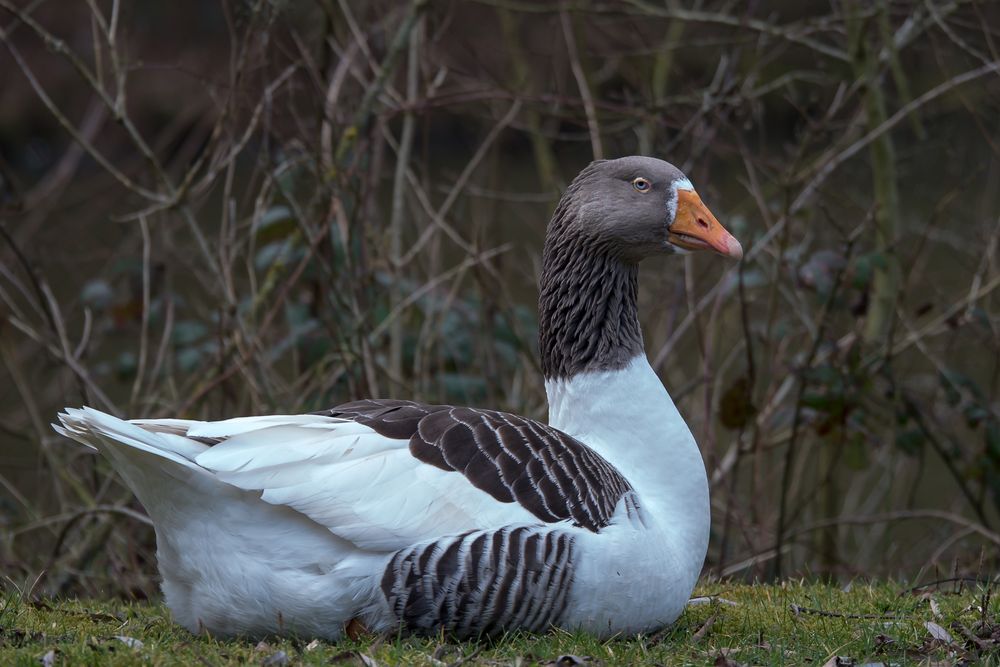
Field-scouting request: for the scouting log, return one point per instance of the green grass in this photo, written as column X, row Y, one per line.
column 867, row 623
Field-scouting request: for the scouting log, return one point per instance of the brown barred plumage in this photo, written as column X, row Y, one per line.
column 514, row 459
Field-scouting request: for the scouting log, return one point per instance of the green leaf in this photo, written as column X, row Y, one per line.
column 825, row 402
column 911, row 441
column 735, row 407
column 278, row 253
column 272, row 216
column 188, row 359
column 951, row 393
column 825, row 375
column 820, row 271
column 276, row 224
column 187, row 332
column 974, row 415
column 97, row 293
column 126, row 365
column 856, row 452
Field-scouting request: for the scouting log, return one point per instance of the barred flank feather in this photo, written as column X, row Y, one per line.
column 482, row 582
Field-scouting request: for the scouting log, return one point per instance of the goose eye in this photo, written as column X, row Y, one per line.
column 641, row 184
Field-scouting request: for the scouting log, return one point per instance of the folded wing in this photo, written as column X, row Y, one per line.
column 388, row 474
column 550, row 474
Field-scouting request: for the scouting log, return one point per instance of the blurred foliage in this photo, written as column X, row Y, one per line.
column 246, row 207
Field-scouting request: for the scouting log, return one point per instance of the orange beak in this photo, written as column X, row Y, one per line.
column 695, row 228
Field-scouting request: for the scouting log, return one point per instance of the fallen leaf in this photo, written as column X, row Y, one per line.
column 355, row 629
column 704, row 629
column 709, row 599
column 981, row 644
column 353, row 658
column 935, row 609
column 312, row 646
column 937, row 632
column 48, row 659
column 131, row 642
column 262, row 647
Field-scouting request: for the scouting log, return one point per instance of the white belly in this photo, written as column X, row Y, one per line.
column 629, row 579
column 251, row 568
column 635, row 578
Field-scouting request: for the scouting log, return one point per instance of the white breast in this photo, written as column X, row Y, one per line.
column 628, row 417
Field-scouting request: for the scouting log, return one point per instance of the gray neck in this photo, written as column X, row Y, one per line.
column 587, row 316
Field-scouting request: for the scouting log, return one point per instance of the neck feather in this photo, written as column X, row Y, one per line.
column 588, row 319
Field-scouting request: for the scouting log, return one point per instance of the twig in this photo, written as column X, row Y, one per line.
column 438, row 215
column 797, row 415
column 466, row 658
column 797, row 609
column 710, row 599
column 78, row 136
column 946, row 315
column 900, row 515
column 398, row 192
column 144, row 330
column 988, row 581
column 431, row 284
column 581, row 83
column 79, row 514
column 828, row 163
column 363, row 113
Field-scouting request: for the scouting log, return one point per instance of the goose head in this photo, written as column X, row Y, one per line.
column 635, row 207
column 613, row 215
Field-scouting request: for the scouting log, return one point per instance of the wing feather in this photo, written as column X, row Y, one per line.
column 389, row 474
column 552, row 475
column 360, row 484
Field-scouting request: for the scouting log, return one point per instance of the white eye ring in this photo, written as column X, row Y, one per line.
column 641, row 184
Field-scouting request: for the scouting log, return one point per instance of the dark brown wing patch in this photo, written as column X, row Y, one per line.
column 552, row 475
column 388, row 417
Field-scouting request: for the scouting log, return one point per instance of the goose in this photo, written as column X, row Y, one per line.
column 393, row 515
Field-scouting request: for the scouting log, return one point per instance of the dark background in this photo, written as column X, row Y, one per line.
column 210, row 209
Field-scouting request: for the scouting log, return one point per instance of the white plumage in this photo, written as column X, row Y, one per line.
column 431, row 517
column 287, row 523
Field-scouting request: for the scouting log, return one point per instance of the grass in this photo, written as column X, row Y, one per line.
column 792, row 623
